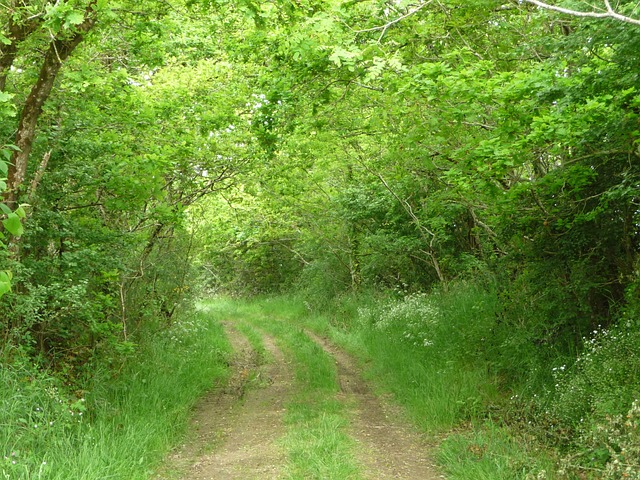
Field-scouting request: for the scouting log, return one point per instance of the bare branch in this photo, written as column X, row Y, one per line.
column 393, row 22
column 37, row 178
column 609, row 13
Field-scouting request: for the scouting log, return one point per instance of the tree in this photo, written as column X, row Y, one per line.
column 67, row 28
column 140, row 124
column 458, row 141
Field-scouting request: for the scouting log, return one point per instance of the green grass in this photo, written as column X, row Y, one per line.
column 131, row 417
column 316, row 441
column 446, row 388
column 491, row 452
column 440, row 385
column 436, row 394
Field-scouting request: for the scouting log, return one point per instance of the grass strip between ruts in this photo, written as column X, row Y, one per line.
column 316, row 441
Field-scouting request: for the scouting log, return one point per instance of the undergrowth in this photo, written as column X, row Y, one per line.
column 517, row 411
column 447, row 357
column 120, row 423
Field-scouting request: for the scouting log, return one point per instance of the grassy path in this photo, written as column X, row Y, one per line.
column 296, row 407
column 387, row 446
column 234, row 428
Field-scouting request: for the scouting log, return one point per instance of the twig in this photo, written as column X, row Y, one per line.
column 393, row 22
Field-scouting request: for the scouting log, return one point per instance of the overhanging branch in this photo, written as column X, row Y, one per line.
column 608, row 12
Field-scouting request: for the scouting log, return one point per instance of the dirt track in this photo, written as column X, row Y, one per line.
column 236, row 430
column 388, row 447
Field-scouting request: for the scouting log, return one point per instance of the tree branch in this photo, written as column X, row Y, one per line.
column 60, row 48
column 393, row 22
column 37, row 178
column 17, row 33
column 609, row 13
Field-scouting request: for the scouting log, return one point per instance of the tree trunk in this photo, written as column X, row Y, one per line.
column 17, row 33
column 59, row 50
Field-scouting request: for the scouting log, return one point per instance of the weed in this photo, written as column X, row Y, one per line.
column 415, row 316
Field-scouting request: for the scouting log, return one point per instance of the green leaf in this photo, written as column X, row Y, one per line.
column 73, row 18
column 5, row 282
column 13, row 225
column 20, row 212
column 6, row 210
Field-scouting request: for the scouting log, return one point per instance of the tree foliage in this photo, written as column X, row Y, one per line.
column 321, row 146
column 117, row 118
column 411, row 146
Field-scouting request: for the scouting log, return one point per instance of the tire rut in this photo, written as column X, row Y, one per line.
column 387, row 446
column 234, row 429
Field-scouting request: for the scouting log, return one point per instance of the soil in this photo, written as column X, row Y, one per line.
column 235, row 430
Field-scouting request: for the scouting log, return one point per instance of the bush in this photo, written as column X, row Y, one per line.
column 596, row 404
column 612, row 447
column 604, row 381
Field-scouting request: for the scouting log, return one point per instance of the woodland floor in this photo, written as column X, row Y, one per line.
column 236, row 430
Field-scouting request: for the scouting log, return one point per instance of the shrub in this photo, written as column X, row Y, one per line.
column 597, row 404
column 603, row 382
column 612, row 447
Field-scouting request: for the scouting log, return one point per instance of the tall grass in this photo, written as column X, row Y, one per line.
column 491, row 452
column 422, row 348
column 125, row 420
column 440, row 355
column 454, row 359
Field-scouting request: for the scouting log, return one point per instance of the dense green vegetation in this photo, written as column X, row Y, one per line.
column 439, row 388
column 461, row 178
column 125, row 418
